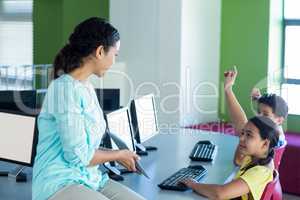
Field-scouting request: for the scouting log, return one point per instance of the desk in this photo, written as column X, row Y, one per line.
column 172, row 154
column 9, row 189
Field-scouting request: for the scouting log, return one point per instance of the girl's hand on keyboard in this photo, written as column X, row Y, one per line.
column 189, row 182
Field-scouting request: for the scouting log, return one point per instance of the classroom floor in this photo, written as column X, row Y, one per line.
column 290, row 197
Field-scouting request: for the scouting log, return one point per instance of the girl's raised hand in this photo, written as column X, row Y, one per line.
column 230, row 77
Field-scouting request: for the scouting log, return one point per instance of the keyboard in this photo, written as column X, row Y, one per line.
column 195, row 172
column 203, row 151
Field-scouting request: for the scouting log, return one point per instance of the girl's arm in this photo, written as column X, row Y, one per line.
column 234, row 189
column 236, row 112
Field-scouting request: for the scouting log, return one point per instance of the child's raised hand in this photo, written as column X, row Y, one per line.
column 255, row 94
column 230, row 77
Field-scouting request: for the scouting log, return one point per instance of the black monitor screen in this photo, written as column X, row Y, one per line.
column 14, row 100
column 26, row 102
column 109, row 99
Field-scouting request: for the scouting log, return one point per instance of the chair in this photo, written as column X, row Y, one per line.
column 277, row 160
column 289, row 177
column 277, row 193
column 270, row 192
column 278, row 155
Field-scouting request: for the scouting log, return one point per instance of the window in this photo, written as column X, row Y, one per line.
column 16, row 44
column 291, row 58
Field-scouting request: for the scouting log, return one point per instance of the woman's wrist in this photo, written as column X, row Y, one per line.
column 114, row 155
column 118, row 154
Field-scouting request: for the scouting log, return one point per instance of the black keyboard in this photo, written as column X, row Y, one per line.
column 203, row 151
column 195, row 172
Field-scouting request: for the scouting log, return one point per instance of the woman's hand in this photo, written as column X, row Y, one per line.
column 127, row 159
column 230, row 77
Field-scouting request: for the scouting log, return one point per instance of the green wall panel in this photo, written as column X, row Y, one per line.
column 75, row 11
column 293, row 123
column 244, row 42
column 54, row 20
column 47, row 30
column 248, row 30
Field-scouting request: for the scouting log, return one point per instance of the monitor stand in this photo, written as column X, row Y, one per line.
column 113, row 172
column 16, row 174
column 151, row 148
column 115, row 177
column 113, row 169
column 4, row 173
column 142, row 150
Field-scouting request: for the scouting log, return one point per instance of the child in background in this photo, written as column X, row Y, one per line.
column 257, row 141
column 270, row 105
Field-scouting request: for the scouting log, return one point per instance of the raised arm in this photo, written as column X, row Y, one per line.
column 236, row 112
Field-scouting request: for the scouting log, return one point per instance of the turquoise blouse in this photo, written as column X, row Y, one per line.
column 71, row 126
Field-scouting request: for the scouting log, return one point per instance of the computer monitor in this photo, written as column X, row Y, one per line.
column 144, row 119
column 119, row 123
column 109, row 99
column 18, row 138
column 26, row 102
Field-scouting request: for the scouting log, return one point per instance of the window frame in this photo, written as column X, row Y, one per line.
column 284, row 79
column 286, row 23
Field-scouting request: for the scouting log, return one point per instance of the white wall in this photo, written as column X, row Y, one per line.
column 137, row 24
column 275, row 49
column 200, row 55
column 116, row 77
column 151, row 33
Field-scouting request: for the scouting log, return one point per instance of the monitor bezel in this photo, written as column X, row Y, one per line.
column 34, row 142
column 126, row 109
column 137, row 133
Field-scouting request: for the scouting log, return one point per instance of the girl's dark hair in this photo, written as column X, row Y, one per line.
column 268, row 130
column 277, row 103
column 85, row 39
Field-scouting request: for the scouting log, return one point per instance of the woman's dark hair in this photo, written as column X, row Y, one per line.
column 268, row 130
column 85, row 39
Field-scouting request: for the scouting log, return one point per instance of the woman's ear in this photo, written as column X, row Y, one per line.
column 100, row 52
